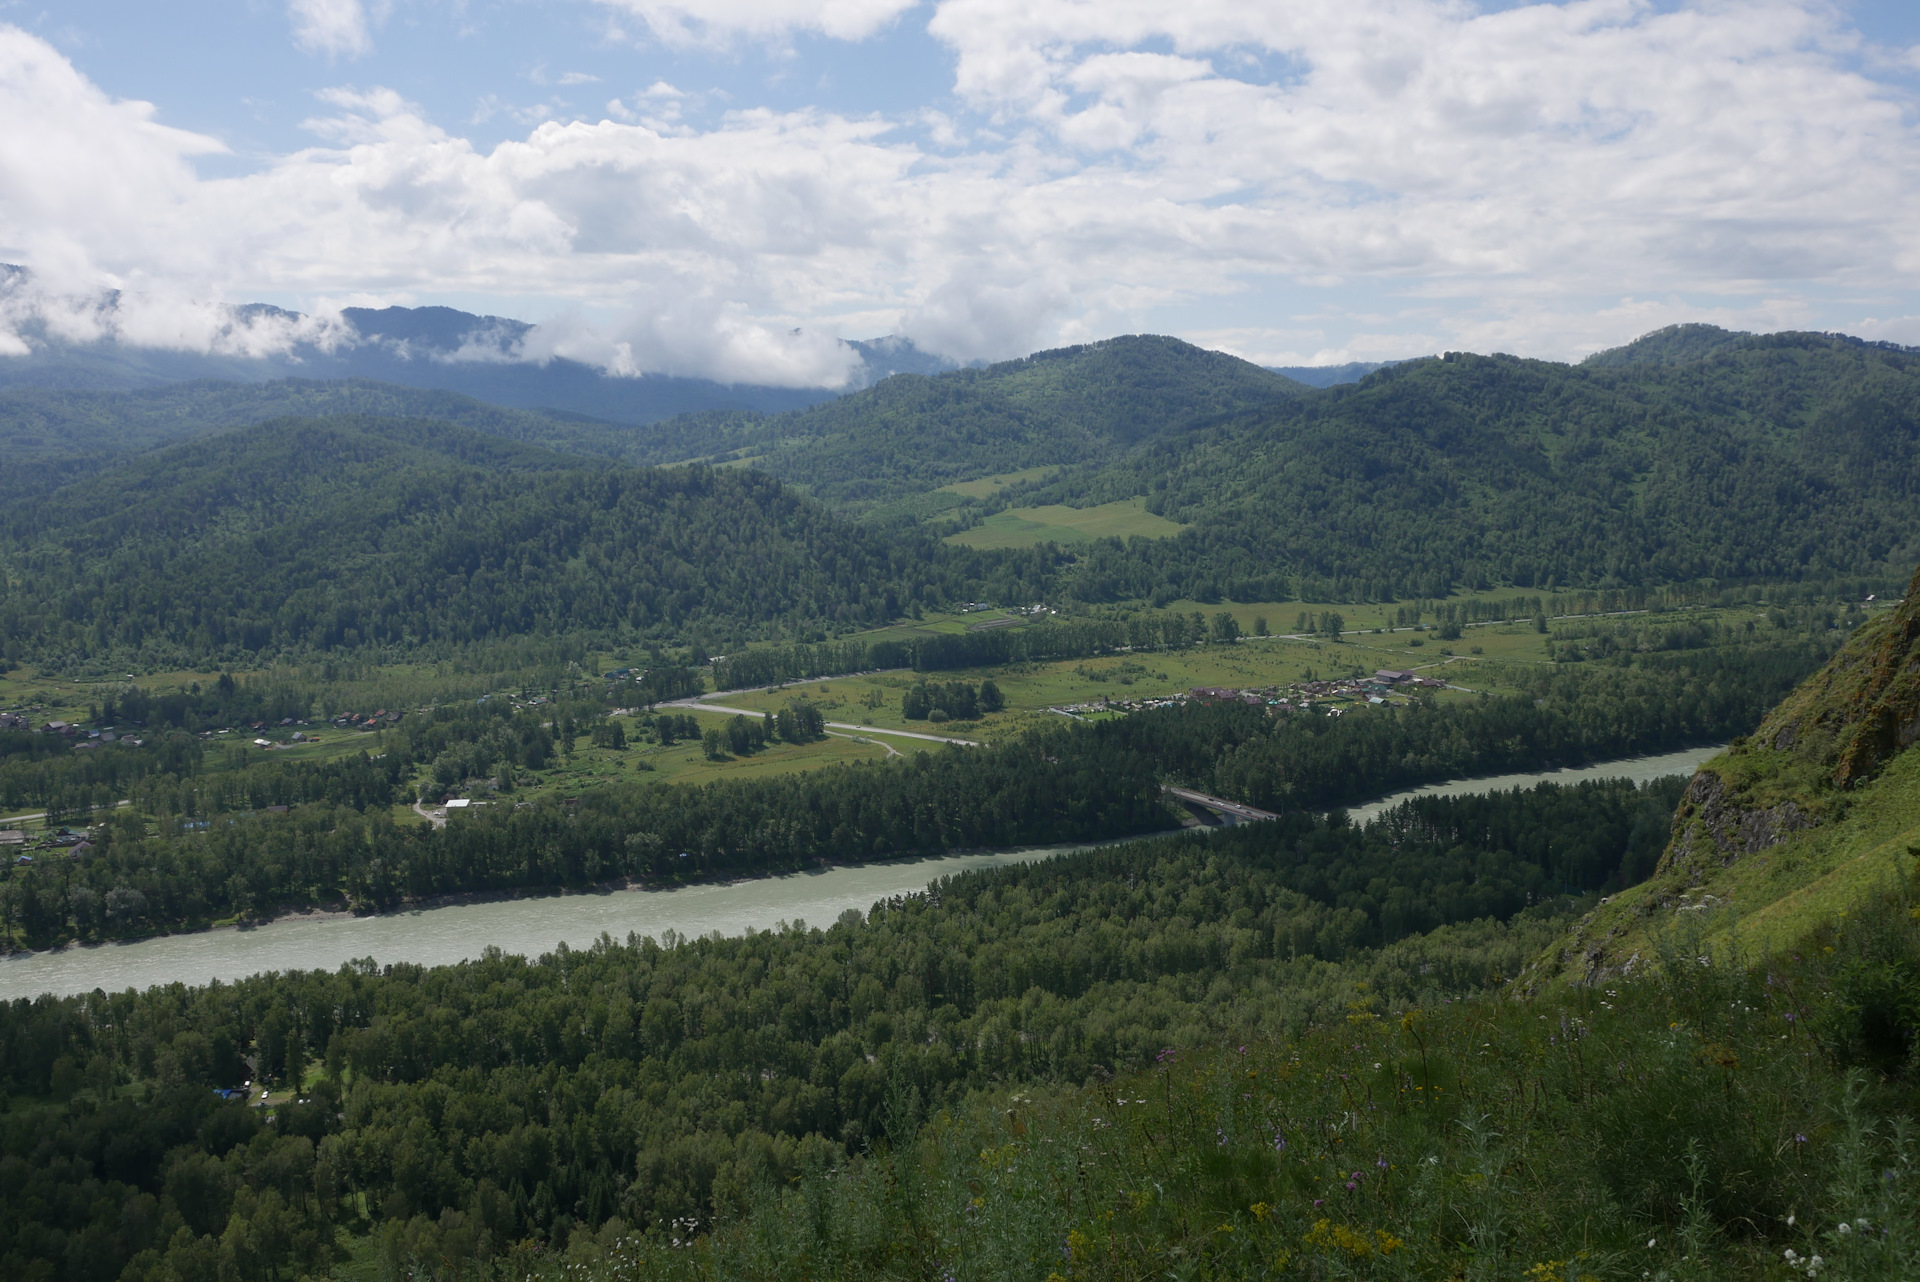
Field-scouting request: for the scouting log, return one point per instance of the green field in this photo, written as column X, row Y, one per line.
column 1024, row 527
column 1484, row 658
column 986, row 487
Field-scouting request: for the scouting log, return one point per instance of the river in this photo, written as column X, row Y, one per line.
column 438, row 936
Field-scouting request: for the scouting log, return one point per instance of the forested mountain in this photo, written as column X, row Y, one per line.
column 1329, row 375
column 1691, row 455
column 1780, row 457
column 308, row 534
column 914, row 433
column 52, row 435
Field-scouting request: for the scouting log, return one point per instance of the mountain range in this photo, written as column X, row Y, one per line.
column 1693, row 454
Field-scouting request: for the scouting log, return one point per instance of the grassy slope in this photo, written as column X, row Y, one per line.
column 1791, row 827
column 1031, row 526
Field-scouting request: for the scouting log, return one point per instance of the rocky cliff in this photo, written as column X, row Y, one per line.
column 1788, row 823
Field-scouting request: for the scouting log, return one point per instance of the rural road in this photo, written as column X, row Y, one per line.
column 695, row 705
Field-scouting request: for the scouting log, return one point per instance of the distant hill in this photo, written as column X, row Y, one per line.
column 1329, row 375
column 445, row 349
column 1792, row 827
column 1685, row 344
column 49, row 436
column 913, row 434
column 306, row 535
column 1778, row 457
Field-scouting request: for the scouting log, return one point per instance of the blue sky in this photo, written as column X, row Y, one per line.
column 727, row 188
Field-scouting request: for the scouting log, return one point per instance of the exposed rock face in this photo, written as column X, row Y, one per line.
column 1837, row 731
column 1885, row 711
column 1712, row 829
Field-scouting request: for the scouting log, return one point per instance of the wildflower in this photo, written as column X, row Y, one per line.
column 1799, row 1139
column 1845, row 1228
column 1651, row 1242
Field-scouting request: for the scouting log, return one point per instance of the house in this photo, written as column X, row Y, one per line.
column 1393, row 676
column 13, row 837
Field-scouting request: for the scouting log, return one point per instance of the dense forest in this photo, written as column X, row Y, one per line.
column 910, row 1088
column 656, row 1080
column 1775, row 458
column 310, row 535
column 1295, row 1047
column 913, row 433
column 1782, row 459
column 49, row 436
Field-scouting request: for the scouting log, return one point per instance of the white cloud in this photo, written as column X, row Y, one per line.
column 1545, row 179
column 33, row 310
column 332, row 27
column 683, row 23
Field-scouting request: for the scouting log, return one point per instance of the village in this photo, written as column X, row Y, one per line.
column 1387, row 686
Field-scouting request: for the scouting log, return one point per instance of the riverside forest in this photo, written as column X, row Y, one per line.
column 281, row 654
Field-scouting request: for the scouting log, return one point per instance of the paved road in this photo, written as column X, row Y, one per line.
column 1245, row 814
column 695, row 705
column 41, row 814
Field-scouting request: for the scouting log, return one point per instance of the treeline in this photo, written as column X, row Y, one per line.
column 1058, row 786
column 173, row 773
column 305, row 537
column 44, row 770
column 950, row 700
column 654, row 1081
column 1032, row 643
column 798, row 722
column 1563, row 716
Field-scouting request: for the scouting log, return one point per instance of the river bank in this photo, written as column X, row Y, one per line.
column 458, row 927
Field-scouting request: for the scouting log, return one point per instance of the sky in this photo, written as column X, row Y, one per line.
column 728, row 188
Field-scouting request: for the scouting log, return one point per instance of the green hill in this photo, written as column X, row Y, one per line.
column 312, row 534
column 49, row 436
column 1793, row 826
column 1692, row 453
column 1775, row 458
column 912, row 434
